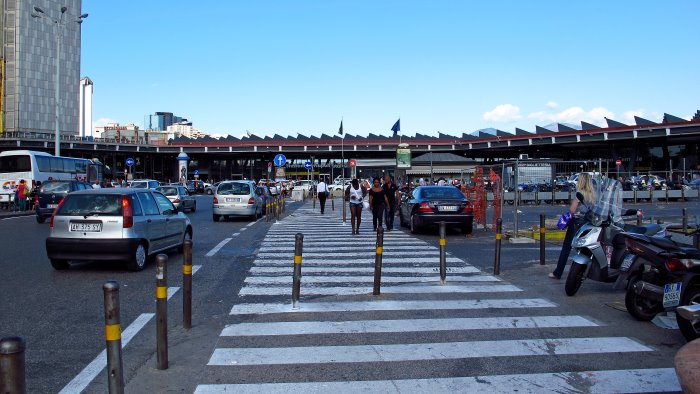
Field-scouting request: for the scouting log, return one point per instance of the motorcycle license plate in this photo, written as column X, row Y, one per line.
column 627, row 262
column 672, row 294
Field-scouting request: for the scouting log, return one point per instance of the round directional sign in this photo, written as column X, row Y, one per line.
column 280, row 160
column 129, row 162
column 307, row 165
column 196, row 172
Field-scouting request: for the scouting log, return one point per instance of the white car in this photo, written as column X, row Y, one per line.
column 339, row 186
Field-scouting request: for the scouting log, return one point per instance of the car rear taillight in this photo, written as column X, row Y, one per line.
column 468, row 209
column 425, row 207
column 251, row 201
column 53, row 215
column 673, row 264
column 216, row 200
column 176, row 201
column 127, row 213
column 36, row 200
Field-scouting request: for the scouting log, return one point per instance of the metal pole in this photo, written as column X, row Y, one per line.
column 296, row 283
column 187, row 286
column 685, row 221
column 497, row 259
column 59, row 30
column 162, row 311
column 516, row 201
column 333, row 202
column 378, row 262
column 443, row 265
column 12, row 369
column 542, row 239
column 113, row 336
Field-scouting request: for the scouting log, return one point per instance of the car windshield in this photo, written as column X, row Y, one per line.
column 168, row 191
column 139, row 185
column 55, row 187
column 236, row 189
column 91, row 204
column 440, row 193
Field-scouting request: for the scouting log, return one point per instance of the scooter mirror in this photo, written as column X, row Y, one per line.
column 579, row 196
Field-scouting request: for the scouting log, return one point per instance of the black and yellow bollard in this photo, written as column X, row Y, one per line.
column 497, row 259
column 542, row 239
column 443, row 254
column 378, row 262
column 113, row 336
column 296, row 285
column 187, row 285
column 12, row 368
column 162, row 311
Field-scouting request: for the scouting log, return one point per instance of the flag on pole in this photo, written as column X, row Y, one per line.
column 340, row 130
column 397, row 127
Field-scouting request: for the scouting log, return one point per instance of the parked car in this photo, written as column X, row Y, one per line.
column 180, row 197
column 237, row 198
column 51, row 193
column 144, row 184
column 266, row 196
column 115, row 224
column 211, row 188
column 430, row 205
column 306, row 185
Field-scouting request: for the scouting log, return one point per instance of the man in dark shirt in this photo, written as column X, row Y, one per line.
column 393, row 195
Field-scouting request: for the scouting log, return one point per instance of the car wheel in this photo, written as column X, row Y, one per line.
column 59, row 264
column 186, row 237
column 40, row 219
column 414, row 224
column 138, row 260
column 194, row 207
column 215, row 217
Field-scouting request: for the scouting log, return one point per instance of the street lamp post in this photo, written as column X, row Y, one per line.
column 39, row 13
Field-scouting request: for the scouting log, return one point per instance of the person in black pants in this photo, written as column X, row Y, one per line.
column 377, row 201
column 392, row 198
column 322, row 192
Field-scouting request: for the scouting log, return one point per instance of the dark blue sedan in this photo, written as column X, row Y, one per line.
column 427, row 206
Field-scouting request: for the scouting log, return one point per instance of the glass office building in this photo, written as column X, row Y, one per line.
column 28, row 52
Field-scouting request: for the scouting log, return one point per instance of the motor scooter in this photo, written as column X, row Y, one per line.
column 600, row 248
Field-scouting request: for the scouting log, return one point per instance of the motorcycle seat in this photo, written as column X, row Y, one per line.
column 645, row 229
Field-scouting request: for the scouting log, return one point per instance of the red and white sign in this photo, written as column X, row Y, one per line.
column 352, row 163
column 618, row 162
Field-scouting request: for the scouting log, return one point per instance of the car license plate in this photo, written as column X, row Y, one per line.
column 52, row 206
column 672, row 294
column 86, row 227
column 627, row 262
column 230, row 199
column 447, row 208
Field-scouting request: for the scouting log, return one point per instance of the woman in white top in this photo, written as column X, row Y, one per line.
column 355, row 195
column 322, row 193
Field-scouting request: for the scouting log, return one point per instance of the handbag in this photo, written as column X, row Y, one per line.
column 564, row 220
column 365, row 205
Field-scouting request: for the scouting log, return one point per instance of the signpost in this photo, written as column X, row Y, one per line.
column 196, row 174
column 280, row 160
column 130, row 164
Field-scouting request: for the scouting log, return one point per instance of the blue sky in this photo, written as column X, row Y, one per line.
column 290, row 67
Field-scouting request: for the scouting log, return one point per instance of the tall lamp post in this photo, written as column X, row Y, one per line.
column 59, row 25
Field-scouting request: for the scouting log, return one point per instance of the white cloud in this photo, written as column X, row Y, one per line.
column 628, row 116
column 552, row 104
column 503, row 113
column 103, row 122
column 574, row 115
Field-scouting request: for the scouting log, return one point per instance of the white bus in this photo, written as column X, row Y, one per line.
column 33, row 167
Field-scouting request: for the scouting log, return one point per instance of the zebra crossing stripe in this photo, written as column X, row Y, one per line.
column 324, row 253
column 381, row 305
column 423, row 351
column 602, row 382
column 337, row 278
column 406, row 325
column 356, row 248
column 358, row 260
column 388, row 289
column 321, row 268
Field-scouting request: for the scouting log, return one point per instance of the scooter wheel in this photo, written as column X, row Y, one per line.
column 639, row 307
column 689, row 330
column 574, row 279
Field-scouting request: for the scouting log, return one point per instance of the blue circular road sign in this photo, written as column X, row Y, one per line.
column 307, row 165
column 280, row 160
column 130, row 162
column 196, row 172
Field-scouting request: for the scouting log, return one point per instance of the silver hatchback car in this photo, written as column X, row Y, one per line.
column 237, row 198
column 115, row 224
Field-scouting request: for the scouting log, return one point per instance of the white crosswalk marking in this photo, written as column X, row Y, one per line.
column 471, row 304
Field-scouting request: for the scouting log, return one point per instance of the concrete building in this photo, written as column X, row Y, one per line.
column 85, row 102
column 129, row 133
column 28, row 51
column 161, row 120
column 184, row 129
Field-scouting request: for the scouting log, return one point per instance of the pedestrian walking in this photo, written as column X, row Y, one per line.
column 584, row 184
column 393, row 198
column 377, row 201
column 355, row 195
column 22, row 194
column 322, row 193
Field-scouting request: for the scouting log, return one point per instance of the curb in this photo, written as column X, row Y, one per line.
column 4, row 215
column 687, row 363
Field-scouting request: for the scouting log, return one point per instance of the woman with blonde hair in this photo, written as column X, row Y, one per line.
column 584, row 185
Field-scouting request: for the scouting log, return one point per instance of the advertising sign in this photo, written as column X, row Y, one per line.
column 280, row 174
column 403, row 158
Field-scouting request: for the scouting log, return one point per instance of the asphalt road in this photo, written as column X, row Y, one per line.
column 60, row 314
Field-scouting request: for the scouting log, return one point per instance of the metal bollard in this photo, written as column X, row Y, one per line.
column 162, row 311
column 267, row 212
column 12, row 369
column 187, row 286
column 542, row 239
column 314, row 198
column 443, row 265
column 639, row 218
column 378, row 261
column 333, row 203
column 685, row 221
column 344, row 214
column 497, row 259
column 296, row 285
column 113, row 336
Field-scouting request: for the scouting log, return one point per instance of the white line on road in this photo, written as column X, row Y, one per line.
column 235, row 234
column 406, row 325
column 195, row 268
column 322, row 268
column 252, row 223
column 243, row 229
column 362, row 306
column 324, row 253
column 602, row 382
column 422, row 351
column 337, row 278
column 80, row 382
column 307, row 261
column 388, row 289
column 218, row 247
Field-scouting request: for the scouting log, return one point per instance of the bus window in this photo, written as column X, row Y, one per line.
column 69, row 165
column 56, row 164
column 81, row 167
column 20, row 163
column 44, row 163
